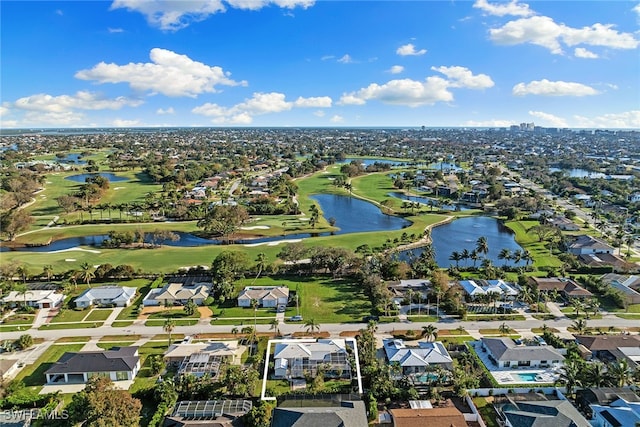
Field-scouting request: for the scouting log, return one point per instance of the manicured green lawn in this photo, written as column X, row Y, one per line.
column 322, row 299
column 70, row 315
column 33, row 375
column 177, row 322
column 110, row 345
column 98, row 314
column 75, row 325
column 489, row 415
column 19, row 319
column 121, row 323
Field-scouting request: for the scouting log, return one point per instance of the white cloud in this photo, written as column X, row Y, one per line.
column 175, row 15
column 489, row 123
column 313, row 102
column 327, row 57
column 123, row 123
column 260, row 103
column 54, row 118
column 346, row 59
column 581, row 52
column 414, row 93
column 396, row 69
column 543, row 31
column 81, row 100
column 337, row 119
column 502, row 9
column 169, row 110
column 410, row 50
column 115, row 30
column 463, row 77
column 627, row 119
column 169, row 73
column 545, row 87
column 351, row 99
column 407, row 92
column 319, row 113
column 549, row 119
column 3, row 111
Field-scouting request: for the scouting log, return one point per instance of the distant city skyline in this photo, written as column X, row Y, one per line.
column 305, row 63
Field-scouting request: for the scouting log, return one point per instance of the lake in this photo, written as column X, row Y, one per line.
column 463, row 233
column 83, row 177
column 578, row 173
column 348, row 212
column 369, row 162
column 71, row 158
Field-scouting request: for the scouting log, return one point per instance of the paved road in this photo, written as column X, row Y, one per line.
column 333, row 329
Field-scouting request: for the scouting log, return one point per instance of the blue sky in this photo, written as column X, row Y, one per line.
column 130, row 63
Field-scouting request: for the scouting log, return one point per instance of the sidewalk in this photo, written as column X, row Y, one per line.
column 113, row 316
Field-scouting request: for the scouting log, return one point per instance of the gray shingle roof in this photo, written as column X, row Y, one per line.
column 506, row 349
column 121, row 359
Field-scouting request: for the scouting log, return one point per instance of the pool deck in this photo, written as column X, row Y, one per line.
column 504, row 376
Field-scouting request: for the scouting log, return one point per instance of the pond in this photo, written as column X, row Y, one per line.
column 83, row 177
column 347, row 211
column 444, row 167
column 71, row 158
column 463, row 233
column 578, row 173
column 429, row 201
column 368, row 162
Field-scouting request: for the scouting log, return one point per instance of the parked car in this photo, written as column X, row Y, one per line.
column 282, row 308
column 296, row 318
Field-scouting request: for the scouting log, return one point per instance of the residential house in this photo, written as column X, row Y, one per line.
column 568, row 288
column 585, row 244
column 613, row 347
column 207, row 413
column 448, row 416
column 418, row 363
column 627, row 284
column 203, row 358
column 178, row 293
column 564, row 223
column 603, row 397
column 556, row 413
column 620, row 413
column 119, row 364
column 342, row 414
column 266, row 296
column 105, row 296
column 475, row 288
column 400, row 289
column 295, row 358
column 34, row 298
column 505, row 353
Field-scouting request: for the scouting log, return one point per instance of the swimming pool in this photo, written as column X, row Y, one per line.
column 525, row 377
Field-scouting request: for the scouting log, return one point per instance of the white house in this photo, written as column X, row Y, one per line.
column 118, row 296
column 121, row 364
column 417, row 362
column 505, row 353
column 627, row 284
column 584, row 245
column 293, row 359
column 178, row 293
column 474, row 288
column 267, row 296
column 34, row 298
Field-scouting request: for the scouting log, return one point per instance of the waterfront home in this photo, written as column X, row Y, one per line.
column 266, row 296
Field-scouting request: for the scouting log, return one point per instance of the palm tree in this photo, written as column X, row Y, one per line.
column 455, row 256
column 251, row 336
column 21, row 289
column 580, row 326
column 482, row 246
column 255, row 304
column 23, row 272
column 261, row 262
column 570, row 375
column 48, row 271
column 619, row 373
column 169, row 326
column 429, row 332
column 86, row 274
column 311, row 325
column 465, row 255
column 504, row 329
column 505, row 254
column 475, row 256
column 577, row 305
column 275, row 326
column 596, row 374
